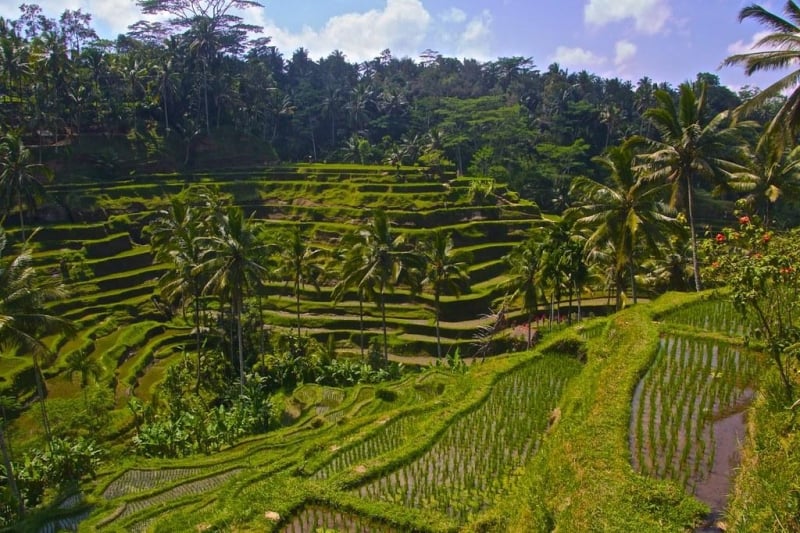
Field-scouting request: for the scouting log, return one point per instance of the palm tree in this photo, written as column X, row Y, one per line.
column 445, row 271
column 20, row 179
column 564, row 264
column 779, row 49
column 524, row 279
column 300, row 263
column 352, row 258
column 230, row 259
column 690, row 147
column 81, row 362
column 770, row 173
column 388, row 262
column 24, row 320
column 624, row 213
column 175, row 239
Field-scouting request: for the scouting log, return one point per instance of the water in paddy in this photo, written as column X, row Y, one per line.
column 688, row 415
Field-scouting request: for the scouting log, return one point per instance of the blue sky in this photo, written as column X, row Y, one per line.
column 667, row 40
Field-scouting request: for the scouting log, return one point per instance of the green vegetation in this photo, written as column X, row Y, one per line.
column 399, row 347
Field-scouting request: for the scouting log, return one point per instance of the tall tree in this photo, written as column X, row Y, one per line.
column 626, row 212
column 230, row 258
column 778, row 49
column 770, row 173
column 21, row 180
column 352, row 259
column 388, row 263
column 691, row 147
column 525, row 279
column 209, row 28
column 82, row 363
column 176, row 238
column 24, row 318
column 445, row 271
column 298, row 262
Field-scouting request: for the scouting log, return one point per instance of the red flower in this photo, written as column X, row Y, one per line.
column 744, row 220
column 766, row 237
column 720, row 237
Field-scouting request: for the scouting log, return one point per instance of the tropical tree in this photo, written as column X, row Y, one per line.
column 770, row 173
column 298, row 262
column 689, row 148
column 82, row 363
column 230, row 259
column 21, row 181
column 445, row 271
column 778, row 49
column 175, row 236
column 626, row 212
column 564, row 264
column 525, row 279
column 387, row 265
column 352, row 259
column 24, row 319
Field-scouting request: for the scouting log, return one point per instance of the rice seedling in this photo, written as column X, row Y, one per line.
column 711, row 315
column 692, row 384
column 473, row 461
column 190, row 488
column 70, row 523
column 133, row 481
column 318, row 518
column 387, row 439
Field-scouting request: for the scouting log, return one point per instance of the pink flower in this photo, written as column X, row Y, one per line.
column 720, row 238
column 744, row 220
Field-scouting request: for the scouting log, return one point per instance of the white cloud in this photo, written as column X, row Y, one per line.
column 400, row 26
column 474, row 40
column 741, row 47
column 109, row 17
column 650, row 16
column 454, row 15
column 577, row 58
column 624, row 52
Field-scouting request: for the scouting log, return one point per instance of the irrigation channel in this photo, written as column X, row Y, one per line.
column 472, row 462
column 687, row 417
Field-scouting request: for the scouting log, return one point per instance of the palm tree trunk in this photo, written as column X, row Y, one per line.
column 530, row 328
column 297, row 303
column 578, row 296
column 695, row 263
column 383, row 319
column 569, row 307
column 633, row 277
column 205, row 96
column 438, row 335
column 40, row 392
column 12, row 479
column 197, row 340
column 21, row 219
column 239, row 340
column 166, row 114
column 361, row 318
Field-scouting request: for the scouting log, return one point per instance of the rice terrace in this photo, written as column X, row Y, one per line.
column 242, row 291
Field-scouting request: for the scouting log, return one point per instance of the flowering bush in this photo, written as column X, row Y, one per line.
column 761, row 268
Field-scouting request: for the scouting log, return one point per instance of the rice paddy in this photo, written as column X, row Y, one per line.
column 678, row 429
column 473, row 461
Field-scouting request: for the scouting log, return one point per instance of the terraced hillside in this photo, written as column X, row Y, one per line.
column 107, row 262
column 520, row 442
